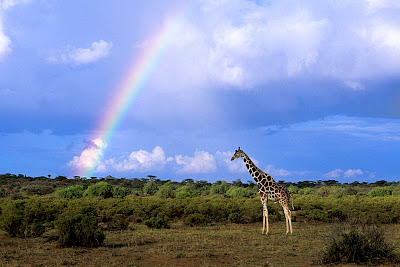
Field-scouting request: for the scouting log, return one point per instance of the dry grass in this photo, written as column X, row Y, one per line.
column 217, row 245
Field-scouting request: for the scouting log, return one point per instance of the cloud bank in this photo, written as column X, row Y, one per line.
column 140, row 160
column 244, row 44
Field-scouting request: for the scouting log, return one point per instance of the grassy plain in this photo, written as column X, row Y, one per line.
column 181, row 245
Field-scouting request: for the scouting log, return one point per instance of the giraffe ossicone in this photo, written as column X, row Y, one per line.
column 268, row 189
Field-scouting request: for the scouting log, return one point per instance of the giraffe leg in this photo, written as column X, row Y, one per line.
column 287, row 222
column 265, row 217
column 288, row 216
column 263, row 229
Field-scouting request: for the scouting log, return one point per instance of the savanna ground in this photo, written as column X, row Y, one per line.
column 182, row 245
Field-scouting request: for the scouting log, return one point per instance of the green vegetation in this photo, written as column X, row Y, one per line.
column 79, row 230
column 30, row 206
column 360, row 243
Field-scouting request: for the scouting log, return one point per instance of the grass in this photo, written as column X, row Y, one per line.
column 213, row 245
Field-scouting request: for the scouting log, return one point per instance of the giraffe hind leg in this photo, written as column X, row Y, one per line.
column 288, row 215
column 288, row 219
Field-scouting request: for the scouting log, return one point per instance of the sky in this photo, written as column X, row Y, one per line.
column 310, row 90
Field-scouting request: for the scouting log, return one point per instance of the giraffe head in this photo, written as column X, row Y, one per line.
column 238, row 154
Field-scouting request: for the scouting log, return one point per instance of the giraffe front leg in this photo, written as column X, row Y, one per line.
column 263, row 229
column 290, row 222
column 265, row 218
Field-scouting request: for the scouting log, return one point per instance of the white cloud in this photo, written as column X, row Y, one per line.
column 201, row 162
column 356, row 86
column 140, row 160
column 270, row 169
column 90, row 157
column 5, row 4
column 5, row 42
column 352, row 172
column 334, row 174
column 235, row 166
column 338, row 173
column 80, row 56
column 244, row 44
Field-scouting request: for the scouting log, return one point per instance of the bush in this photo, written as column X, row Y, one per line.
column 307, row 191
column 360, row 244
column 100, row 189
column 293, row 189
column 185, row 191
column 12, row 219
column 120, row 191
column 219, row 187
column 35, row 229
column 79, row 230
column 3, row 193
column 196, row 219
column 235, row 191
column 379, row 192
column 167, row 190
column 157, row 222
column 71, row 192
column 150, row 188
column 323, row 191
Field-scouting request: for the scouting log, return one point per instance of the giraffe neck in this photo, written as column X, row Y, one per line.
column 258, row 175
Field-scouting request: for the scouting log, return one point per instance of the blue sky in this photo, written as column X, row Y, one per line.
column 309, row 90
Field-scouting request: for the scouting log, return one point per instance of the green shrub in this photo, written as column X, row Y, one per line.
column 185, row 191
column 235, row 217
column 360, row 244
column 157, row 222
column 318, row 215
column 167, row 190
column 71, row 192
column 3, row 193
column 79, row 230
column 219, row 187
column 35, row 229
column 379, row 192
column 118, row 222
column 235, row 191
column 150, row 188
column 324, row 191
column 12, row 218
column 307, row 191
column 100, row 189
column 120, row 191
column 293, row 189
column 196, row 219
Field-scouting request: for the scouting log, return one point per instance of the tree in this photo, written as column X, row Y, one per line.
column 101, row 189
column 152, row 177
column 150, row 188
column 167, row 190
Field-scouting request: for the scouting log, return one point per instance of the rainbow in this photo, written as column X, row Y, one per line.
column 130, row 87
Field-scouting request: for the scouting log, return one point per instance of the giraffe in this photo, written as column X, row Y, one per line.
column 268, row 189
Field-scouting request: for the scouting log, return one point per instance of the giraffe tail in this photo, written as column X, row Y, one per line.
column 291, row 195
